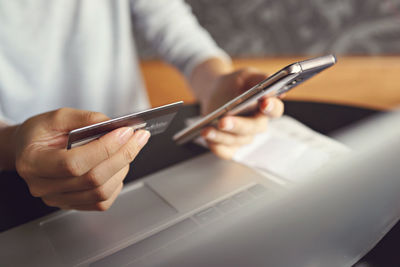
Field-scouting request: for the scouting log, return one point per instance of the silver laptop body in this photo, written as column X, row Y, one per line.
column 182, row 198
column 330, row 220
column 211, row 212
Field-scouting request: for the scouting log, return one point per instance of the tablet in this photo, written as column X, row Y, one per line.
column 276, row 84
column 155, row 120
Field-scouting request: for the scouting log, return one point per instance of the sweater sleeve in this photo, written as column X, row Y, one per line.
column 173, row 30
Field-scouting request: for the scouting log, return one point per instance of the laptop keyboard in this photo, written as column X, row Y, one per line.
column 145, row 250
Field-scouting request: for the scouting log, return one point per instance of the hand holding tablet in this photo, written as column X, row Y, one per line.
column 275, row 85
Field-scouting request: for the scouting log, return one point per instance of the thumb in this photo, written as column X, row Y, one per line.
column 250, row 77
column 67, row 119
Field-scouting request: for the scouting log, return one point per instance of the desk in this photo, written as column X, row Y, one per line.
column 370, row 82
column 18, row 207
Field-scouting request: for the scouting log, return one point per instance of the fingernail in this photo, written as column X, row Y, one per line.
column 142, row 137
column 268, row 109
column 211, row 135
column 125, row 135
column 227, row 124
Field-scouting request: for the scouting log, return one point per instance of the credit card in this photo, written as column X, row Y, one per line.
column 155, row 120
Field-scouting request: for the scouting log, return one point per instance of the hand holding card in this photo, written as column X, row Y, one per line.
column 154, row 120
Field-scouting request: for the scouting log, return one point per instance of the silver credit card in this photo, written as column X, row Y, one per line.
column 155, row 120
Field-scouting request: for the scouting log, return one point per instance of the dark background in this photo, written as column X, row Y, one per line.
column 257, row 28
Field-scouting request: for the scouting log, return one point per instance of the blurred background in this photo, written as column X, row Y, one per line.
column 254, row 28
column 269, row 34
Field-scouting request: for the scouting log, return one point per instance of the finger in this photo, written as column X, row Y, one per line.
column 282, row 96
column 219, row 137
column 272, row 107
column 95, row 177
column 79, row 160
column 222, row 151
column 92, row 196
column 249, row 77
column 99, row 206
column 67, row 119
column 123, row 157
column 40, row 187
column 244, row 125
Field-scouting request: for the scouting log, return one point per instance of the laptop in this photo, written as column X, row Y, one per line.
column 211, row 212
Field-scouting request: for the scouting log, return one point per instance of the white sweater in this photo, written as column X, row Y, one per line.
column 81, row 54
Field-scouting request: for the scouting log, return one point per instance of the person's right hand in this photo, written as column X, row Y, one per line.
column 88, row 177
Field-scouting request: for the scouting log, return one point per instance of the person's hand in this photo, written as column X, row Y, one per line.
column 88, row 177
column 235, row 131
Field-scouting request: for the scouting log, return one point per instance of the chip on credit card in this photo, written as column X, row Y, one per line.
column 155, row 120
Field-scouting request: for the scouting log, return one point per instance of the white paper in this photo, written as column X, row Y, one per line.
column 289, row 150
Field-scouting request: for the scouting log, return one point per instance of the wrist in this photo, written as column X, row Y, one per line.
column 206, row 75
column 7, row 147
column 214, row 68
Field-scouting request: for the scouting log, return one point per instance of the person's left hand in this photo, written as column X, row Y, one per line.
column 234, row 131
